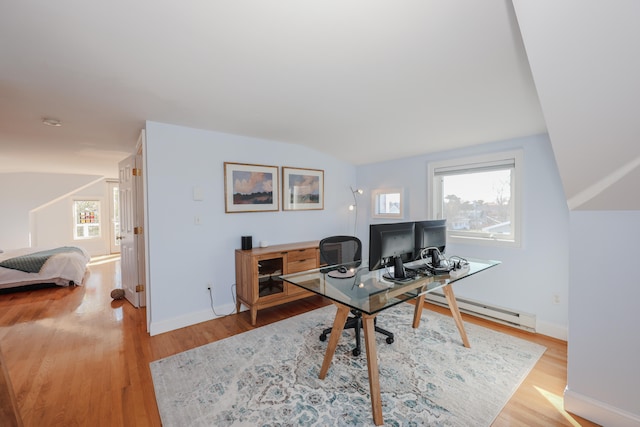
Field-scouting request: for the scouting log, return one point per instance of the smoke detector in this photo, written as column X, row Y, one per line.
column 52, row 122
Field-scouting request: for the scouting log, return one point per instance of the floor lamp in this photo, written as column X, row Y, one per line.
column 354, row 207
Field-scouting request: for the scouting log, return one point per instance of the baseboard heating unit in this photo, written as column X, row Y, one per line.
column 505, row 316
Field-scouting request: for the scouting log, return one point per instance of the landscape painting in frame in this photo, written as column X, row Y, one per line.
column 302, row 189
column 250, row 188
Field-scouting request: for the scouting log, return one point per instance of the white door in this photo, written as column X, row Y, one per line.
column 128, row 237
column 138, row 200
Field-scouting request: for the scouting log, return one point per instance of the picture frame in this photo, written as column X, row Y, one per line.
column 250, row 188
column 302, row 189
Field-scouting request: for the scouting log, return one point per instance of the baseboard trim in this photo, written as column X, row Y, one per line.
column 156, row 328
column 597, row 411
column 552, row 330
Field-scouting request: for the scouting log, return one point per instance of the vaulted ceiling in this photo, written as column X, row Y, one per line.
column 585, row 59
column 386, row 78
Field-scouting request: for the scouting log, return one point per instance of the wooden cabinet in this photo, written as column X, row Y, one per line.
column 258, row 283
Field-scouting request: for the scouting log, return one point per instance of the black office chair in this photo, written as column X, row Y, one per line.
column 337, row 250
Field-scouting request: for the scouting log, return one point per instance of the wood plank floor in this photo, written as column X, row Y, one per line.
column 77, row 358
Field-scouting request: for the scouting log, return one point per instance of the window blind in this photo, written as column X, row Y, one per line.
column 475, row 167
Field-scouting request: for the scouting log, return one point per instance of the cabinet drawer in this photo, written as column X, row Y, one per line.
column 301, row 265
column 303, row 254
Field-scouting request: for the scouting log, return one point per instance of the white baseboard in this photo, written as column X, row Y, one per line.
column 190, row 319
column 598, row 412
column 552, row 330
column 503, row 315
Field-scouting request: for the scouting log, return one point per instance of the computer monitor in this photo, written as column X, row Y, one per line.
column 431, row 234
column 391, row 244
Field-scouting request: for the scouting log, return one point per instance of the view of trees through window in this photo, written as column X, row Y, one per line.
column 87, row 219
column 388, row 203
column 478, row 203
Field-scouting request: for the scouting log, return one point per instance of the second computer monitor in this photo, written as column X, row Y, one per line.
column 390, row 244
column 430, row 234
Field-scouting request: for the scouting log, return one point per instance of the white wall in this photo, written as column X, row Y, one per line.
column 604, row 345
column 52, row 224
column 30, row 212
column 529, row 276
column 183, row 257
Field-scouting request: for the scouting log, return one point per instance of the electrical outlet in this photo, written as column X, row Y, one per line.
column 556, row 298
column 208, row 286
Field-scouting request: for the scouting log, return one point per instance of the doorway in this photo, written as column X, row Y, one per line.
column 114, row 216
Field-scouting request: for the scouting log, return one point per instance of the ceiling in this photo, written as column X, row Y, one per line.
column 365, row 80
column 585, row 60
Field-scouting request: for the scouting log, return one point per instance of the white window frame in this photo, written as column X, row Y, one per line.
column 100, row 213
column 488, row 161
column 375, row 203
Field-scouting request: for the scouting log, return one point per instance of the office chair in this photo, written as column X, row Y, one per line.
column 336, row 250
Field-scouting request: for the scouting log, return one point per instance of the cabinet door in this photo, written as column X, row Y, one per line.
column 269, row 268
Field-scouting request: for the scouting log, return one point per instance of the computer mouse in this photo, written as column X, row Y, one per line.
column 342, row 269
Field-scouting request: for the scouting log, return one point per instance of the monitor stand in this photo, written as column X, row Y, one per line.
column 398, row 268
column 399, row 273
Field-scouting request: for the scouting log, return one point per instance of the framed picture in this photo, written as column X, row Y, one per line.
column 250, row 188
column 302, row 189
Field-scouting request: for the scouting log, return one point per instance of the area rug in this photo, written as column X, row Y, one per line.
column 269, row 376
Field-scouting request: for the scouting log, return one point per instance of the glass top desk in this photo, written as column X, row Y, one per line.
column 370, row 293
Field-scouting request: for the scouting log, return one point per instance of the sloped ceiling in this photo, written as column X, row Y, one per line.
column 364, row 80
column 585, row 59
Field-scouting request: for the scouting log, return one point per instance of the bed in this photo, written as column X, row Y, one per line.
column 62, row 266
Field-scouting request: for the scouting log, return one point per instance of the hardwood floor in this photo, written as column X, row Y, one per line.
column 77, row 358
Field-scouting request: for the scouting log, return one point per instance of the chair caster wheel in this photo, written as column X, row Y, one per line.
column 323, row 337
column 389, row 340
column 355, row 352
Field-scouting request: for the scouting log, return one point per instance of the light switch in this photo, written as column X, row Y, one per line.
column 197, row 193
column 197, row 220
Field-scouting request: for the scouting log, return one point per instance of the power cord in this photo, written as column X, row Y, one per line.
column 459, row 267
column 233, row 295
column 427, row 255
column 458, row 263
column 451, row 264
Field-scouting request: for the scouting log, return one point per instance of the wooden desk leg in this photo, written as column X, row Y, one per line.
column 455, row 312
column 417, row 312
column 334, row 337
column 372, row 365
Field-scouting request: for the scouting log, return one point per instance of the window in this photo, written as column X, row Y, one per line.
column 86, row 214
column 387, row 203
column 115, row 217
column 479, row 197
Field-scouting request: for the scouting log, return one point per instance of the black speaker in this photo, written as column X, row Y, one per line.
column 247, row 243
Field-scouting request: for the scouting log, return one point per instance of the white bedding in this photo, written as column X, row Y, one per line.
column 62, row 269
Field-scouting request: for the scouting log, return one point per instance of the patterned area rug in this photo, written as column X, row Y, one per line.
column 269, row 376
